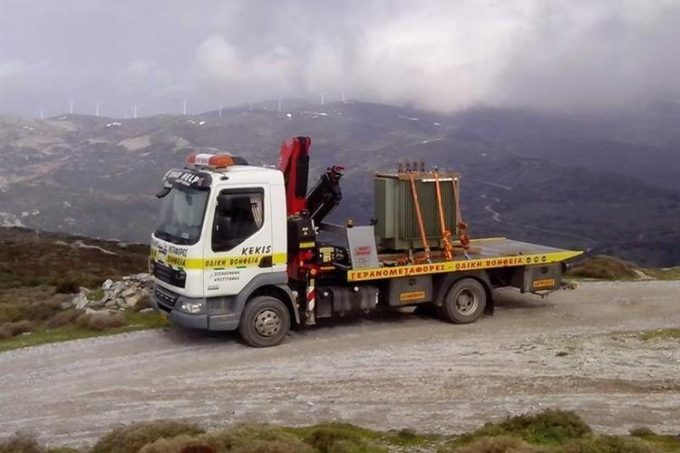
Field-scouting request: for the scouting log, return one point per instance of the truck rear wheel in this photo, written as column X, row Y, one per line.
column 464, row 302
column 265, row 322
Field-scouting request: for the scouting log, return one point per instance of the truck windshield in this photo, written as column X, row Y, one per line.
column 181, row 216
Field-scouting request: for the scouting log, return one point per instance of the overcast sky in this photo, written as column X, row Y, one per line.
column 568, row 55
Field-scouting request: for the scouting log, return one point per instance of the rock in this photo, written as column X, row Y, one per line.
column 96, row 304
column 84, row 290
column 128, row 293
column 146, row 310
column 89, row 311
column 80, row 301
column 66, row 305
column 110, row 303
column 107, row 284
column 132, row 300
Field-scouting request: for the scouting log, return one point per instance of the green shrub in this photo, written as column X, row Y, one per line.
column 21, row 442
column 494, row 444
column 550, row 427
column 604, row 268
column 10, row 312
column 67, row 287
column 101, row 321
column 259, row 439
column 341, row 437
column 63, row 318
column 12, row 329
column 96, row 295
column 609, row 444
column 40, row 310
column 183, row 444
column 130, row 439
column 641, row 431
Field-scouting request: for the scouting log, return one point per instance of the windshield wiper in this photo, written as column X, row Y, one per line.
column 172, row 238
column 163, row 235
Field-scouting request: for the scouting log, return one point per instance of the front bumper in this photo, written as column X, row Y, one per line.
column 167, row 302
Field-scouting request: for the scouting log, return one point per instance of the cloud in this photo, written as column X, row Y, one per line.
column 222, row 64
column 17, row 70
column 572, row 55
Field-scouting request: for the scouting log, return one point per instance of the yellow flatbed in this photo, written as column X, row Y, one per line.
column 487, row 253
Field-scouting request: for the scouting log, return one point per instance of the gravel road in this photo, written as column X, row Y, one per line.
column 575, row 350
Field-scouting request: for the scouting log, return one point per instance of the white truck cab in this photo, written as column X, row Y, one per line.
column 220, row 237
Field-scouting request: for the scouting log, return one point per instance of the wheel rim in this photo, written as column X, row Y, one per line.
column 466, row 302
column 267, row 323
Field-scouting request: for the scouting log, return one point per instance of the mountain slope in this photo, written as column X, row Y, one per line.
column 565, row 181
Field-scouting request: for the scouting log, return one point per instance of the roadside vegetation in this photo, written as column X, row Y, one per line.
column 666, row 273
column 41, row 272
column 612, row 268
column 549, row 431
column 604, row 268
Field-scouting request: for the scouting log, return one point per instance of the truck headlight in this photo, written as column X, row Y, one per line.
column 192, row 306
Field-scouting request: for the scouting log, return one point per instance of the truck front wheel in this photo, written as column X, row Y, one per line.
column 464, row 302
column 265, row 322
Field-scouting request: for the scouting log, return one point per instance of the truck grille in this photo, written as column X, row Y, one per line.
column 169, row 275
column 165, row 300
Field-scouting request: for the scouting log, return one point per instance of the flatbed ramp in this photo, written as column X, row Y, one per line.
column 488, row 253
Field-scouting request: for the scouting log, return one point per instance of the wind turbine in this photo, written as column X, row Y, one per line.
column 96, row 109
column 42, row 112
column 323, row 98
column 184, row 107
column 70, row 106
column 134, row 110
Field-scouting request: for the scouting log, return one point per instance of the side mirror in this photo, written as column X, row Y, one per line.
column 164, row 191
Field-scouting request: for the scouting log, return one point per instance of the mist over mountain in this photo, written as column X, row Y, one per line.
column 442, row 55
column 607, row 184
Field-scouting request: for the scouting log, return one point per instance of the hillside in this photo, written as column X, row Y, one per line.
column 41, row 274
column 603, row 184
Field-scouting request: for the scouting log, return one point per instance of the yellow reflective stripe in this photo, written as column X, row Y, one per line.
column 459, row 265
column 280, row 258
column 177, row 261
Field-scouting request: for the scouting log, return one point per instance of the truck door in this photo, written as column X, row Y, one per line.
column 240, row 246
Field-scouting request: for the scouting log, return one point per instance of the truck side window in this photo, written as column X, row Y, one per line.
column 239, row 215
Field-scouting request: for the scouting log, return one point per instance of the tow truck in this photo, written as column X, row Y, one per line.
column 247, row 247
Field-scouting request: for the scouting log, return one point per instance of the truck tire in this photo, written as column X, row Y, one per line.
column 464, row 302
column 265, row 322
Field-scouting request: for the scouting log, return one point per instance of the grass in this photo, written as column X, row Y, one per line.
column 668, row 273
column 612, row 268
column 550, row 427
column 550, row 431
column 96, row 295
column 660, row 334
column 133, row 321
column 40, row 272
column 130, row 439
column 604, row 268
column 664, row 442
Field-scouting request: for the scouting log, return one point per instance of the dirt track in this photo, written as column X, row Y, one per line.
column 392, row 371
